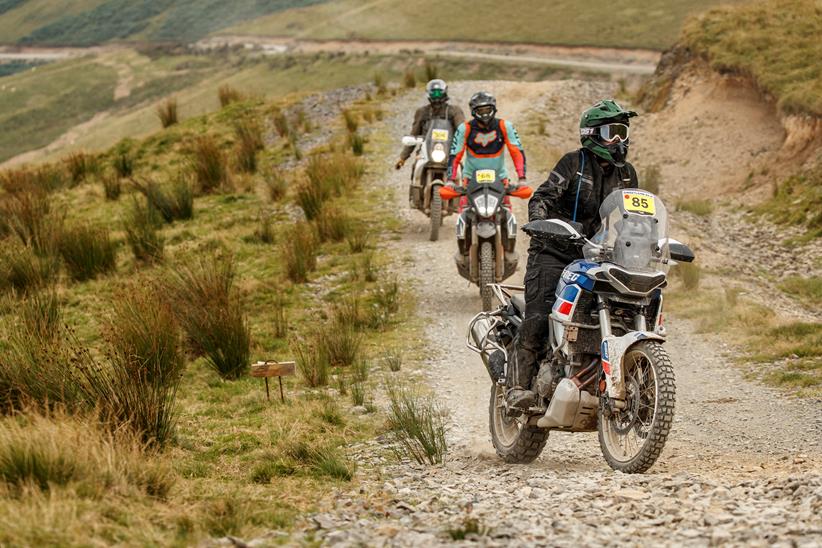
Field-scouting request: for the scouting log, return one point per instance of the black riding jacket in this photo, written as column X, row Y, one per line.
column 428, row 112
column 568, row 189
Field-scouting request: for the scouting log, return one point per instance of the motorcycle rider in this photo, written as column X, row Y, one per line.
column 574, row 191
column 437, row 107
column 482, row 141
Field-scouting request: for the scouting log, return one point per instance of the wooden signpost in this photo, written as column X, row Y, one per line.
column 270, row 369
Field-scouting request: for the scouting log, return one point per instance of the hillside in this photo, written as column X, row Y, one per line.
column 90, row 22
column 653, row 24
column 629, row 24
column 116, row 93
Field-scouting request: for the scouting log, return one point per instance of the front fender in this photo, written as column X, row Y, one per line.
column 613, row 352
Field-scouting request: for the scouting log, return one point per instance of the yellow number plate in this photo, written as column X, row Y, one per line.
column 439, row 134
column 639, row 202
column 486, row 175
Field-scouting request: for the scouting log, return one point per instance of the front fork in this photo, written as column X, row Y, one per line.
column 611, row 364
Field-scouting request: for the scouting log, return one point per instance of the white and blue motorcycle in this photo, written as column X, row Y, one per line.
column 606, row 368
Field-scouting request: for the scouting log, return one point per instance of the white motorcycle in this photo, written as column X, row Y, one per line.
column 606, row 368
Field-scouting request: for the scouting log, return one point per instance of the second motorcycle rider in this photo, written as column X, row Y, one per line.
column 482, row 141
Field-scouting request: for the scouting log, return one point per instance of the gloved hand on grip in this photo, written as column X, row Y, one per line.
column 399, row 164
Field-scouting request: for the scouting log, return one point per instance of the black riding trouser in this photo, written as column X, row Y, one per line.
column 542, row 274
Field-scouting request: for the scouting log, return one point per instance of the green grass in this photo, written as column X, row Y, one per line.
column 194, row 81
column 776, row 42
column 807, row 290
column 702, row 208
column 797, row 201
column 777, row 351
column 242, row 464
column 90, row 22
column 654, row 24
column 40, row 106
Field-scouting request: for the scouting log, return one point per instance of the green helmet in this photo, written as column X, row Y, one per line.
column 603, row 129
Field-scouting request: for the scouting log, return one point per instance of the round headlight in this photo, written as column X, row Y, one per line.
column 438, row 154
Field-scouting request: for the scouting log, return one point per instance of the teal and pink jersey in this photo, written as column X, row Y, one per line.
column 483, row 148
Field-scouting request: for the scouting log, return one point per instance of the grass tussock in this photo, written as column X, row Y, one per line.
column 209, row 308
column 81, row 165
column 61, row 452
column 209, row 165
column 87, row 251
column 701, row 208
column 312, row 361
column 22, row 270
column 29, row 215
column 298, row 251
column 137, row 387
column 280, row 325
column 357, row 144
column 342, row 340
column 350, row 121
column 112, row 186
column 171, row 202
column 227, row 95
column 167, row 113
column 332, row 224
column 281, row 124
column 46, row 178
column 141, row 224
column 123, row 164
column 265, row 229
column 38, row 361
column 357, row 238
column 250, row 142
column 769, row 40
column 417, row 423
column 276, row 186
column 327, row 176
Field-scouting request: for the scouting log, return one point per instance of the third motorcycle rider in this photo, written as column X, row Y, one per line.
column 437, row 107
column 573, row 193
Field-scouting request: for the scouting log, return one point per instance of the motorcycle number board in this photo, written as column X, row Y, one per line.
column 485, row 175
column 439, row 134
column 639, row 202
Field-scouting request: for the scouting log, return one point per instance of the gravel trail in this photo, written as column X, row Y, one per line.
column 742, row 466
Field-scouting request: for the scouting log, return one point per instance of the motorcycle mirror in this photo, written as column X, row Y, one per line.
column 680, row 252
column 551, row 227
column 411, row 141
column 523, row 192
column 448, row 193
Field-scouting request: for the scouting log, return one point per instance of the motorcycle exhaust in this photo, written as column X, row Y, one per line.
column 570, row 408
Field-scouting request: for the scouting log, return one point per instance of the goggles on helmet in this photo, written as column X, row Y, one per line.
column 436, row 94
column 484, row 110
column 611, row 133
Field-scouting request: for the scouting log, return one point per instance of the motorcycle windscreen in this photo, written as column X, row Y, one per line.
column 438, row 140
column 634, row 231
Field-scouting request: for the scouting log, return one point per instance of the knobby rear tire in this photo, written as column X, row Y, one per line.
column 514, row 442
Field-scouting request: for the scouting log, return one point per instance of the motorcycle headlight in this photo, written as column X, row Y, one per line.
column 486, row 205
column 438, row 154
